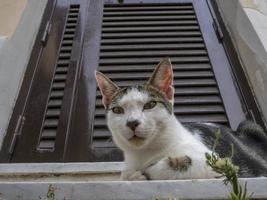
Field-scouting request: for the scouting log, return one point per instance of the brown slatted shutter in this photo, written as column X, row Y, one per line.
column 42, row 137
column 55, row 99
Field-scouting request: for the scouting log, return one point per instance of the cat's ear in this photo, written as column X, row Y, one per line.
column 107, row 88
column 162, row 78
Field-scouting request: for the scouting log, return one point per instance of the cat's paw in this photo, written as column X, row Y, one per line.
column 180, row 163
column 135, row 176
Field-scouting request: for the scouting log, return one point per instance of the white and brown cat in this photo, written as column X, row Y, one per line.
column 155, row 144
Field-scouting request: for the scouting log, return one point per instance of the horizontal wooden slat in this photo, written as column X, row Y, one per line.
column 56, row 94
column 46, row 144
column 146, row 75
column 151, row 35
column 152, row 23
column 196, row 91
column 50, row 123
column 151, row 67
column 65, row 50
column 146, row 8
column 60, row 77
column 145, row 41
column 49, row 134
column 68, row 37
column 148, row 18
column 67, row 42
column 71, row 20
column 125, row 61
column 149, row 13
column 58, row 85
column 74, row 10
column 72, row 15
column 103, row 143
column 151, row 47
column 212, row 118
column 182, row 5
column 63, row 62
column 70, row 31
column 52, row 113
column 62, row 70
column 102, row 134
column 149, row 29
column 158, row 53
column 53, row 103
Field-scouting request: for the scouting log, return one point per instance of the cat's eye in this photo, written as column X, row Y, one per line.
column 150, row 105
column 118, row 110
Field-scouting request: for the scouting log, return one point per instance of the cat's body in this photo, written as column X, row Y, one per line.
column 155, row 144
column 173, row 141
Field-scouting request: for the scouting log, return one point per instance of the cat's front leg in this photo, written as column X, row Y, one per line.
column 130, row 175
column 180, row 167
column 174, row 167
column 180, row 163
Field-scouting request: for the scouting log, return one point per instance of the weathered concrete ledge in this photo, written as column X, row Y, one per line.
column 83, row 181
column 84, row 167
column 105, row 171
column 106, row 190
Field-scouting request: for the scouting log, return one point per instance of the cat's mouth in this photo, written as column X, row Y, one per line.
column 136, row 140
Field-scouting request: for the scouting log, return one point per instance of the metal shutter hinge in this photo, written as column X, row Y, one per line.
column 46, row 32
column 218, row 30
column 17, row 132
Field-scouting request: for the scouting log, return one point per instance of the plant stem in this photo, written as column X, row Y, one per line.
column 235, row 184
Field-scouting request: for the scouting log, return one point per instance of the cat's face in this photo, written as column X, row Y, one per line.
column 137, row 114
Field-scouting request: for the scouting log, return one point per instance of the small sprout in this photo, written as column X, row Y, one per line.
column 50, row 193
column 227, row 169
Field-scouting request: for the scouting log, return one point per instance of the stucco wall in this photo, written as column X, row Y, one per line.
column 15, row 51
column 10, row 14
column 246, row 21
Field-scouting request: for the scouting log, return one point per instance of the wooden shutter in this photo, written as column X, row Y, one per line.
column 42, row 126
column 54, row 103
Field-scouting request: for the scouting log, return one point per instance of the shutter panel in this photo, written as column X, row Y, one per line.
column 53, row 108
column 135, row 37
column 47, row 104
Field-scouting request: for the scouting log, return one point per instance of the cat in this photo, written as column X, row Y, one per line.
column 156, row 146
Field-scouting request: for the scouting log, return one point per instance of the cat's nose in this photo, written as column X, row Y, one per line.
column 133, row 124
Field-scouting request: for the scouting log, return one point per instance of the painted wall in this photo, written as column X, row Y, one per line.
column 246, row 21
column 20, row 30
column 10, row 14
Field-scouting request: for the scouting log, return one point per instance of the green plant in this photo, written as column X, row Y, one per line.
column 227, row 169
column 50, row 193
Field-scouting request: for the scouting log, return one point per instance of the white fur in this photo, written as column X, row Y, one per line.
column 163, row 135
